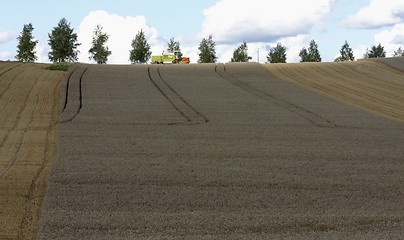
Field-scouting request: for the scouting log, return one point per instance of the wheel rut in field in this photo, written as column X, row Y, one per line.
column 36, row 191
column 22, row 133
column 29, row 104
column 9, row 69
column 4, row 89
column 72, row 94
column 301, row 112
column 191, row 115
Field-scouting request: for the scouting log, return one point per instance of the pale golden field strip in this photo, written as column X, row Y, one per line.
column 29, row 112
column 374, row 85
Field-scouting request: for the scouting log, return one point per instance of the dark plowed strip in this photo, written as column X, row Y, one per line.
column 301, row 112
column 257, row 170
column 310, row 116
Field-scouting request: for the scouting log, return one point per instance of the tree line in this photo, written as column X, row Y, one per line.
column 63, row 44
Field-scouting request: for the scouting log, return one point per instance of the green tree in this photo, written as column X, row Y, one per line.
column 140, row 52
column 346, row 53
column 99, row 52
column 207, row 52
column 376, row 52
column 174, row 46
column 277, row 54
column 311, row 54
column 240, row 54
column 304, row 55
column 26, row 45
column 63, row 43
column 398, row 53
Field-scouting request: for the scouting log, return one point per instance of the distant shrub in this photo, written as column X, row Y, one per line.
column 63, row 66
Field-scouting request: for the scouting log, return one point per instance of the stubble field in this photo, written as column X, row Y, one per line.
column 235, row 151
column 29, row 112
column 373, row 85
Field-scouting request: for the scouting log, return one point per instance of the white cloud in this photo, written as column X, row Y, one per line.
column 42, row 49
column 393, row 36
column 377, row 14
column 191, row 52
column 233, row 21
column 258, row 51
column 5, row 56
column 263, row 25
column 391, row 39
column 6, row 36
column 121, row 31
column 224, row 52
column 294, row 45
column 359, row 51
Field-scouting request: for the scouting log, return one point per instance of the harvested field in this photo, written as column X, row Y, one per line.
column 29, row 112
column 396, row 62
column 223, row 152
column 374, row 85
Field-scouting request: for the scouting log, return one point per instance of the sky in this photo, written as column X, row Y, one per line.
column 260, row 23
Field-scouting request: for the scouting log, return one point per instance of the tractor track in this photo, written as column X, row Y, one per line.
column 65, row 88
column 73, row 95
column 26, row 91
column 191, row 115
column 204, row 119
column 313, row 118
column 12, row 81
column 10, row 68
column 23, row 131
column 34, row 199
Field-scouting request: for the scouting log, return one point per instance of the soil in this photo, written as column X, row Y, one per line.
column 374, row 85
column 227, row 152
column 29, row 112
column 235, row 151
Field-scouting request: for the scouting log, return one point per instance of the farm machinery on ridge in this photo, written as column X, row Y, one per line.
column 170, row 58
